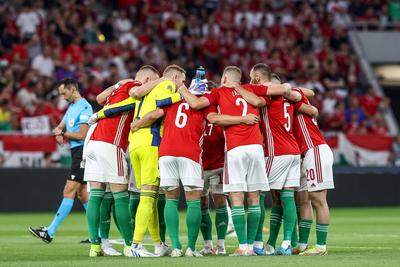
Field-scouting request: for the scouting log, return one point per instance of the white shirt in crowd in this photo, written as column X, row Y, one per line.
column 43, row 65
column 28, row 22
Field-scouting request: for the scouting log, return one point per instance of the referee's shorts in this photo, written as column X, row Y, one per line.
column 76, row 170
column 144, row 161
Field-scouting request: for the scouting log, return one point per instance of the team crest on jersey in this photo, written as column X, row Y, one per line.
column 71, row 122
column 170, row 88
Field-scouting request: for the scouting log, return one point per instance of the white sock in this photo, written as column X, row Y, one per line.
column 302, row 246
column 285, row 244
column 221, row 242
column 105, row 243
column 258, row 244
column 250, row 246
column 243, row 246
column 208, row 243
column 322, row 247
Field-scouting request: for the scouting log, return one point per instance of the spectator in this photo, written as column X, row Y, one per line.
column 371, row 102
column 43, row 63
column 5, row 115
column 27, row 21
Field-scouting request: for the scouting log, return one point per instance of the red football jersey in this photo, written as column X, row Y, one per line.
column 213, row 144
column 277, row 127
column 183, row 132
column 115, row 130
column 305, row 128
column 231, row 103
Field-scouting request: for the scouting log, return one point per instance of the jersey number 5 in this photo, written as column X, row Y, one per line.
column 286, row 115
column 244, row 103
column 181, row 118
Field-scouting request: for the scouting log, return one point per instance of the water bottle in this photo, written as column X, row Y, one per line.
column 200, row 74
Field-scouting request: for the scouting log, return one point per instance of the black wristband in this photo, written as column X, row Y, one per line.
column 62, row 133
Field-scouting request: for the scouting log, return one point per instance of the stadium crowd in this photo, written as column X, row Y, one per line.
column 101, row 42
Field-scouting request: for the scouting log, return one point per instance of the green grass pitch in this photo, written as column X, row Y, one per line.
column 357, row 237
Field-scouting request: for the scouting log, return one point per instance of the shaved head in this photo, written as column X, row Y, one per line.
column 232, row 74
column 260, row 73
column 147, row 73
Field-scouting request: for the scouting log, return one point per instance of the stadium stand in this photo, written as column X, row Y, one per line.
column 101, row 42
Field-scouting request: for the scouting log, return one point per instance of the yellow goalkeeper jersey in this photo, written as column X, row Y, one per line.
column 164, row 94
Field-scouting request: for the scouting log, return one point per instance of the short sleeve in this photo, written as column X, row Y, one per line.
column 85, row 114
column 212, row 97
column 257, row 89
column 166, row 94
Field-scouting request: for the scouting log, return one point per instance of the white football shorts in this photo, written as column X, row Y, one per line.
column 173, row 169
column 283, row 171
column 316, row 169
column 105, row 163
column 245, row 170
column 213, row 181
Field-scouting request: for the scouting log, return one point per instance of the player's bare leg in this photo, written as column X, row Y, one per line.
column 275, row 222
column 83, row 195
column 319, row 203
column 221, row 222
column 253, row 219
column 305, row 220
column 93, row 217
column 193, row 219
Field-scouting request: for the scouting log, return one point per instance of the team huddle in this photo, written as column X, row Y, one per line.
column 236, row 140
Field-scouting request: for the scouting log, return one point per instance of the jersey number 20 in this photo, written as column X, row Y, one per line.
column 181, row 118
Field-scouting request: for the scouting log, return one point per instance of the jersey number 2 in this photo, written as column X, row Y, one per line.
column 181, row 118
column 244, row 103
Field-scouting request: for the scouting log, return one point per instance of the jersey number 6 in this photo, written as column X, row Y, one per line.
column 181, row 118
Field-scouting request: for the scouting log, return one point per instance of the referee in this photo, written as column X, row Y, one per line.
column 74, row 127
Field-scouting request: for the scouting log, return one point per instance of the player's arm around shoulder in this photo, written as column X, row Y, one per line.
column 193, row 101
column 147, row 119
column 250, row 97
column 228, row 120
column 308, row 109
column 144, row 89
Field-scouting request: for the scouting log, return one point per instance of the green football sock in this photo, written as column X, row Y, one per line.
column 322, row 233
column 259, row 235
column 121, row 205
column 295, row 237
column 221, row 222
column 161, row 219
column 171, row 216
column 304, row 231
column 193, row 221
column 93, row 214
column 206, row 224
column 105, row 215
column 239, row 221
column 289, row 213
column 253, row 221
column 134, row 199
column 275, row 224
